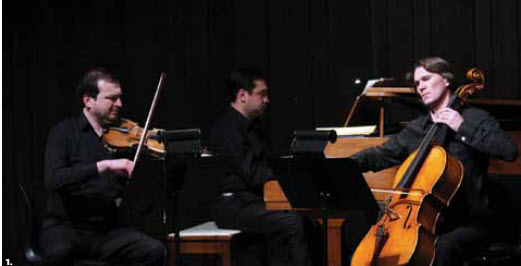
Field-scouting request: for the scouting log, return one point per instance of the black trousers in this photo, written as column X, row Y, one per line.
column 280, row 235
column 459, row 245
column 62, row 243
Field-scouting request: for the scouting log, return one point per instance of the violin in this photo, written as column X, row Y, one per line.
column 126, row 136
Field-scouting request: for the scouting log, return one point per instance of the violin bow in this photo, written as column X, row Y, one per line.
column 150, row 114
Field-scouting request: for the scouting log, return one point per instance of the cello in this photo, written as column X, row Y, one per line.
column 424, row 184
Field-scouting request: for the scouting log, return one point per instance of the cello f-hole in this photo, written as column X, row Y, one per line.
column 409, row 208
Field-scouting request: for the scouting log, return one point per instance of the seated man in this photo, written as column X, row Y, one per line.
column 472, row 137
column 85, row 185
column 241, row 204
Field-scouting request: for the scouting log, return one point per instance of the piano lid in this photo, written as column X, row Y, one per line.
column 387, row 87
column 386, row 102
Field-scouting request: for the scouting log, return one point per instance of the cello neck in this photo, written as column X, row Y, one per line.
column 424, row 148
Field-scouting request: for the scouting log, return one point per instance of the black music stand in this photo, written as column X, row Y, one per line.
column 193, row 180
column 183, row 148
column 334, row 186
column 200, row 191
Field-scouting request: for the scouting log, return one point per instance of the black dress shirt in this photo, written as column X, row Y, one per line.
column 234, row 135
column 478, row 138
column 78, row 194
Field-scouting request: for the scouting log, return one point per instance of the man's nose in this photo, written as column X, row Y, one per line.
column 266, row 99
column 420, row 87
column 118, row 103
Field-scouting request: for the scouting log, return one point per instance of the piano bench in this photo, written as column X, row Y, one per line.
column 204, row 239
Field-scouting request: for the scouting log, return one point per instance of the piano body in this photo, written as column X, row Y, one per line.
column 382, row 181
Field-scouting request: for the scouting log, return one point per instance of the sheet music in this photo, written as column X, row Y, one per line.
column 351, row 131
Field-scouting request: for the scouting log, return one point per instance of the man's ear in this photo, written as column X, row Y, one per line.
column 241, row 95
column 88, row 101
column 447, row 83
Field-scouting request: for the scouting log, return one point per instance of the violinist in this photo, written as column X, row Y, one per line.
column 472, row 137
column 85, row 185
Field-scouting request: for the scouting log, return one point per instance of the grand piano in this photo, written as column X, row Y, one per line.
column 506, row 111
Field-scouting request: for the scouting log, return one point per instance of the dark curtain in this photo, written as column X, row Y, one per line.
column 312, row 50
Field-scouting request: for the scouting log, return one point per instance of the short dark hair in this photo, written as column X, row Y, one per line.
column 89, row 82
column 436, row 65
column 244, row 78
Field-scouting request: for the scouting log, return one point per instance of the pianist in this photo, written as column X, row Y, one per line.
column 241, row 205
column 473, row 137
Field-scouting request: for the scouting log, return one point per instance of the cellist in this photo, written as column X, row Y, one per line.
column 472, row 137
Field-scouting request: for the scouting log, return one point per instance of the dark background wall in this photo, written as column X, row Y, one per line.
column 312, row 51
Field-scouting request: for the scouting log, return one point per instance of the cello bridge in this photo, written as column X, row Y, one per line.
column 393, row 215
